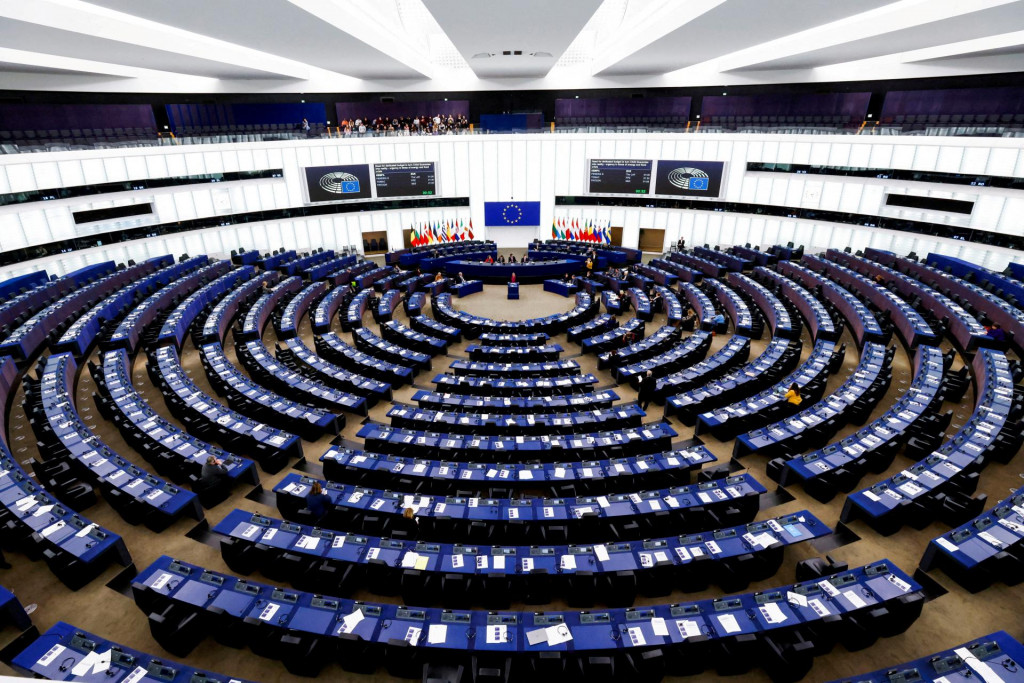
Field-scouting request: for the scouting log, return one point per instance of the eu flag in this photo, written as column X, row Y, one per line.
column 512, row 213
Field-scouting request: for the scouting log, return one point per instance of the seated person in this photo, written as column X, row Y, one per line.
column 489, row 259
column 460, row 279
column 996, row 332
column 690, row 316
column 526, row 259
column 511, row 258
column 438, row 277
column 719, row 322
column 793, row 394
column 317, row 502
column 656, row 302
column 407, row 526
column 214, row 474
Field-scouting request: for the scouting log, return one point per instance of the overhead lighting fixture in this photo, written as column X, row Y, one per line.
column 543, row 55
column 482, row 55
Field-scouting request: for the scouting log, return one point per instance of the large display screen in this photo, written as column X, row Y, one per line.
column 689, row 178
column 338, row 183
column 406, row 179
column 620, row 176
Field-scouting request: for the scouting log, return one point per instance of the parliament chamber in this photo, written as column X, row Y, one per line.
column 337, row 342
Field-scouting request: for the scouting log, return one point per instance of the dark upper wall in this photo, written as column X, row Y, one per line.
column 398, row 109
column 850, row 105
column 243, row 114
column 622, row 106
column 955, row 101
column 75, row 116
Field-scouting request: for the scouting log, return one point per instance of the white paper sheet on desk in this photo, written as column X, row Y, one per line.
column 772, row 613
column 437, row 633
column 729, row 623
column 92, row 663
column 42, row 510
column 351, row 621
column 52, row 529
column 688, row 628
column 796, row 599
column 557, row 634
column 409, row 560
column 659, row 627
column 601, row 552
column 497, row 633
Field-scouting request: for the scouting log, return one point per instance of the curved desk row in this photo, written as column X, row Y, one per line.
column 743, row 322
column 386, row 305
column 750, row 412
column 129, row 331
column 473, row 326
column 355, row 310
column 491, row 386
column 912, row 496
column 589, row 477
column 326, row 308
column 254, row 400
column 816, row 424
column 826, row 471
column 863, row 324
column 514, row 354
column 732, row 354
column 135, row 494
column 659, row 342
column 910, row 325
column 332, row 269
column 435, row 328
column 173, row 451
column 819, row 322
column 701, row 304
column 644, row 514
column 79, row 337
column 75, row 549
column 650, row 438
column 238, row 300
column 175, row 326
column 496, row 576
column 300, row 358
column 287, row 325
column 618, row 417
column 260, row 312
column 392, row 353
column 557, row 368
column 514, row 404
column 262, row 365
column 68, row 653
column 780, row 322
column 683, row 354
column 779, row 629
column 598, row 325
column 270, row 446
column 422, row 342
column 337, row 350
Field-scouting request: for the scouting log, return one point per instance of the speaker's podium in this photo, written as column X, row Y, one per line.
column 513, row 290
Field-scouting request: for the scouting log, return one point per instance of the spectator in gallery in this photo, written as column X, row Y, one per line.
column 305, row 125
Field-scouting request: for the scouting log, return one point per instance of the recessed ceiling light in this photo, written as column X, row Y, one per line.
column 544, row 55
column 482, row 55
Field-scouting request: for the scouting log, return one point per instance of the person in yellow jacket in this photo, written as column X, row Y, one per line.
column 793, row 395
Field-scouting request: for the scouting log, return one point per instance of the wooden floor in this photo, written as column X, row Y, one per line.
column 949, row 620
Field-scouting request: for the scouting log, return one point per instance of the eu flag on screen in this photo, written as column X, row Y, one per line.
column 512, row 213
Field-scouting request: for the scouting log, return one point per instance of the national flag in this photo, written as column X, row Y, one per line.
column 470, row 228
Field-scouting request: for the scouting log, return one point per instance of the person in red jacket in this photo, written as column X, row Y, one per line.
column 513, row 278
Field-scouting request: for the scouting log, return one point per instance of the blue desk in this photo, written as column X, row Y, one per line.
column 753, row 411
column 988, row 434
column 779, row 320
column 733, row 262
column 303, row 265
column 974, row 554
column 650, row 438
column 473, row 326
column 277, row 260
column 589, row 477
column 514, row 354
column 257, row 316
column 433, row 328
column 245, row 258
column 162, row 441
column 22, row 283
column 737, row 308
column 663, row 339
column 979, row 275
column 323, row 314
column 613, row 338
column 322, row 270
column 525, row 339
column 824, row 470
column 514, row 404
column 330, row 374
column 558, row 368
column 608, row 419
column 414, row 304
column 534, row 271
column 354, row 313
column 819, row 322
column 58, row 654
column 12, row 610
column 386, row 351
column 662, row 511
column 681, row 355
column 296, row 309
column 997, row 656
column 863, row 324
column 701, row 304
column 846, row 404
column 416, row 340
column 735, row 352
column 492, row 386
column 612, row 302
column 272, row 447
column 513, row 290
column 334, row 349
column 560, row 287
column 467, row 288
column 877, row 598
column 51, row 403
column 648, row 559
column 386, row 305
column 260, row 403
column 176, row 325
